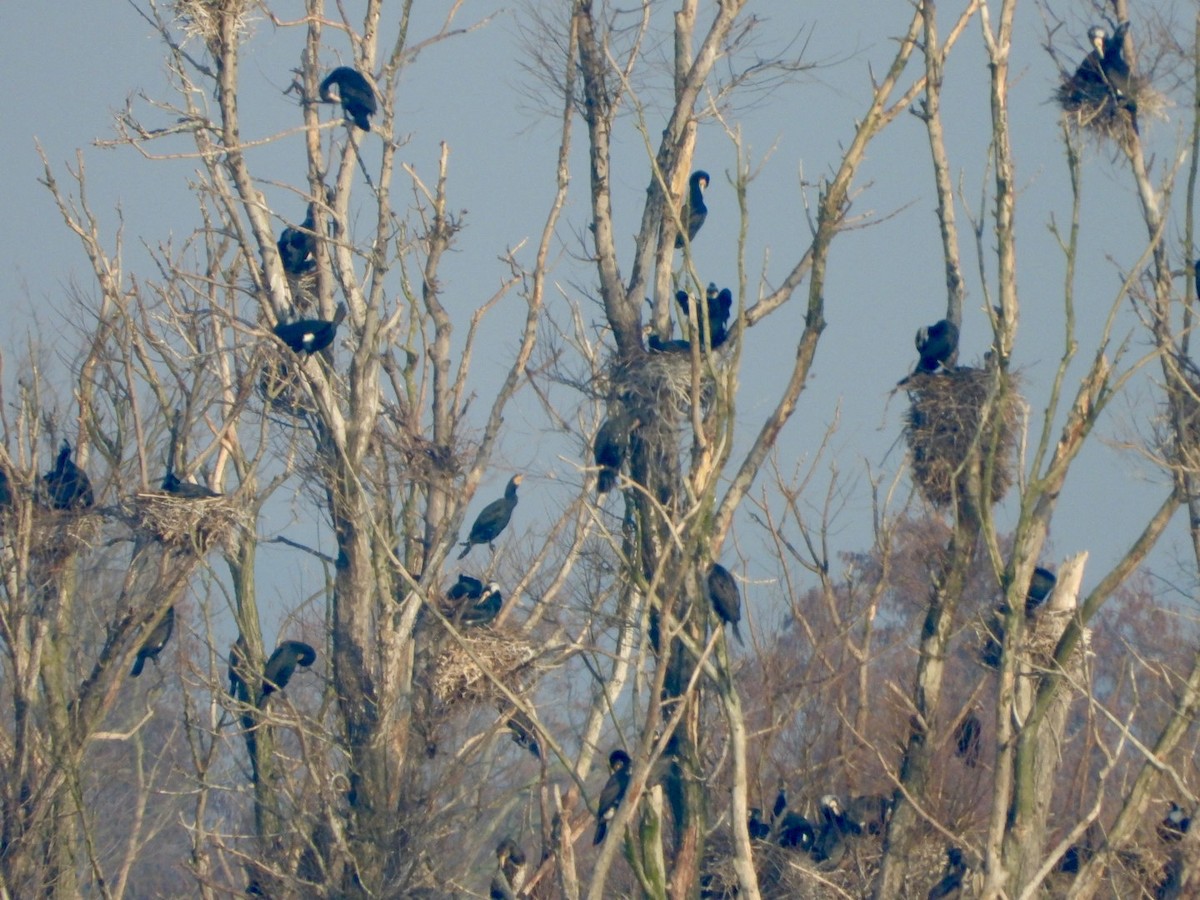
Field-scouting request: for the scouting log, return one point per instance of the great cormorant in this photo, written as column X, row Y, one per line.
column 510, row 859
column 524, row 732
column 67, row 486
column 609, row 449
column 725, row 597
column 694, row 212
column 155, row 641
column 720, row 306
column 796, row 832
column 493, row 519
column 937, row 345
column 1040, row 586
column 966, row 740
column 952, row 876
column 355, row 93
column 621, row 768
column 758, row 829
column 186, row 489
column 298, row 246
column 1104, row 72
column 1174, row 825
column 310, row 335
column 484, row 609
column 830, row 844
column 282, row 665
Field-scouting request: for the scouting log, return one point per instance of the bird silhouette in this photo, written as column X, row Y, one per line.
column 310, row 335
column 493, row 519
column 155, row 641
column 67, row 486
column 354, row 92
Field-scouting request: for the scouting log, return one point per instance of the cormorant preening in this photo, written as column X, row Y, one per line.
column 952, row 877
column 719, row 304
column 694, row 212
column 483, row 609
column 310, row 335
column 621, row 767
column 1040, row 587
column 355, row 93
column 493, row 519
column 1106, row 70
column 966, row 740
column 510, row 859
column 186, row 489
column 758, row 829
column 67, row 486
column 155, row 641
column 282, row 665
column 725, row 598
column 611, row 442
column 937, row 344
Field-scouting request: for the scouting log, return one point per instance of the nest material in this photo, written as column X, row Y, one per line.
column 283, row 387
column 458, row 678
column 58, row 533
column 1092, row 106
column 194, row 524
column 202, row 18
column 656, row 388
column 941, row 430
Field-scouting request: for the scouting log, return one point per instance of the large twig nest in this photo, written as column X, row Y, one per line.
column 193, row 524
column 942, row 431
column 284, row 388
column 56, row 533
column 202, row 18
column 460, row 670
column 1092, row 106
column 656, row 388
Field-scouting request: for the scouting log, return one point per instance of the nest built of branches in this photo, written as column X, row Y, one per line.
column 461, row 670
column 1093, row 107
column 656, row 388
column 187, row 523
column 202, row 18
column 942, row 431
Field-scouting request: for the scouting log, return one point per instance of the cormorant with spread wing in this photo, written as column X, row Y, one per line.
column 493, row 519
column 311, row 335
column 354, row 92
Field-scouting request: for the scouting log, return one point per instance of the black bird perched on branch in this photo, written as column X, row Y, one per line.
column 484, row 608
column 611, row 442
column 1040, row 586
column 186, row 489
column 282, row 665
column 354, row 92
column 524, row 732
column 719, row 304
column 952, row 876
column 298, row 246
column 621, row 767
column 155, row 641
column 510, row 859
column 966, row 740
column 725, row 597
column 694, row 212
column 758, row 829
column 493, row 519
column 310, row 335
column 937, row 344
column 67, row 486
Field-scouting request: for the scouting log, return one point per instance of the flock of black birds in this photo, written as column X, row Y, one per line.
column 826, row 839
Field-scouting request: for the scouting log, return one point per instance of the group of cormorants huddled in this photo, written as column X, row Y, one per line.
column 826, row 839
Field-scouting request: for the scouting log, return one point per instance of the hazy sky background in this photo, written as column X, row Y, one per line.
column 68, row 72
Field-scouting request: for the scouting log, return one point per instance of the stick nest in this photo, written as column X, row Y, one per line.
column 1092, row 107
column 656, row 388
column 58, row 533
column 193, row 524
column 283, row 387
column 202, row 18
column 941, row 426
column 458, row 678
